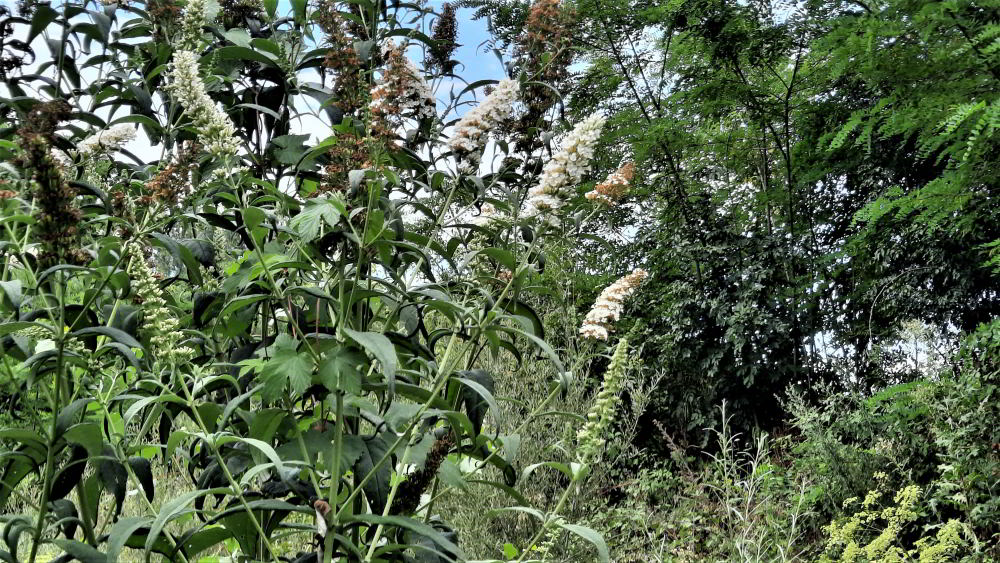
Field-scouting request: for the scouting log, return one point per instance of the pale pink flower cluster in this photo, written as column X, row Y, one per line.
column 487, row 215
column 566, row 168
column 403, row 90
column 106, row 141
column 615, row 187
column 473, row 129
column 599, row 322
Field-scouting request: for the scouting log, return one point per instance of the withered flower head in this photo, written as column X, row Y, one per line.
column 615, row 187
column 402, row 91
column 351, row 152
column 542, row 51
column 163, row 14
column 342, row 60
column 408, row 495
column 172, row 183
column 13, row 52
column 444, row 34
column 240, row 13
column 58, row 215
column 43, row 119
column 5, row 191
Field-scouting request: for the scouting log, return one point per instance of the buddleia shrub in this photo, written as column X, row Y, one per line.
column 249, row 294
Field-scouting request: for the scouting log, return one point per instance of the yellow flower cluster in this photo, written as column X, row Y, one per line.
column 851, row 538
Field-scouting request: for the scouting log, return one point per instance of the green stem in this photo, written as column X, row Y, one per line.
column 534, row 414
column 338, row 445
column 229, row 476
column 549, row 519
column 442, row 378
column 56, row 407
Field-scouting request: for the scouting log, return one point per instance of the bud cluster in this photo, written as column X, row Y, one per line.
column 161, row 326
column 590, row 438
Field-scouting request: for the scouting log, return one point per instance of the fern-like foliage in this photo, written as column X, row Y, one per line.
column 952, row 130
column 504, row 17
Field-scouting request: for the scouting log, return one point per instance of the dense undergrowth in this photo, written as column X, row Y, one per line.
column 696, row 281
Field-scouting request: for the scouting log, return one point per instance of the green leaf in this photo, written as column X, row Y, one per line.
column 239, row 37
column 113, row 476
column 286, row 366
column 120, row 534
column 318, row 212
column 290, row 148
column 70, row 474
column 373, row 450
column 299, row 9
column 86, row 434
column 69, row 414
column 408, row 524
column 378, row 346
column 144, row 473
column 477, row 395
column 12, row 291
column 204, row 539
column 339, row 370
column 239, row 303
column 240, row 54
column 175, row 508
column 80, row 551
column 115, row 334
column 525, row 315
column 591, row 536
column 40, row 20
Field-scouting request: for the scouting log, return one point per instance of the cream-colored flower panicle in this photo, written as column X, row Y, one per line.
column 615, row 187
column 473, row 129
column 590, row 438
column 216, row 131
column 599, row 322
column 106, row 141
column 567, row 167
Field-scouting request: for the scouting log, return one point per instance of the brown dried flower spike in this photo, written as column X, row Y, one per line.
column 444, row 35
column 58, row 216
column 172, row 183
column 342, row 60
